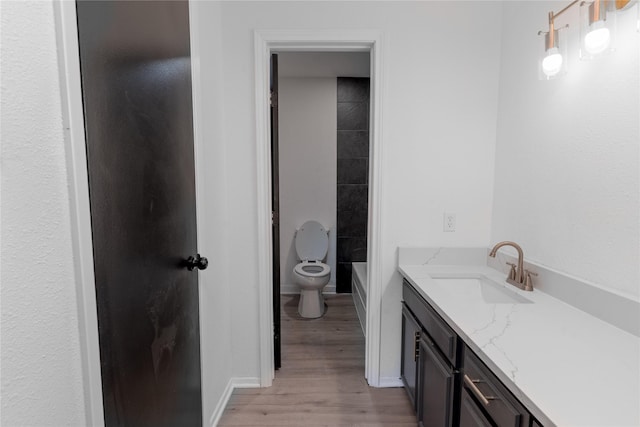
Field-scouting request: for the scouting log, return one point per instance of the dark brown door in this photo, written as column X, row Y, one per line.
column 136, row 81
column 275, row 214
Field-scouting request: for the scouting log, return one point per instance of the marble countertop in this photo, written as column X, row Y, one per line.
column 566, row 366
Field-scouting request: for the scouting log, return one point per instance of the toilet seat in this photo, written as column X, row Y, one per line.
column 312, row 269
column 311, row 241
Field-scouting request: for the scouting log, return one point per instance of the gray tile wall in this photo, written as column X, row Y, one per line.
column 353, row 176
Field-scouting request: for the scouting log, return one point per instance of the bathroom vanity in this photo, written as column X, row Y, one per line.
column 447, row 383
column 479, row 352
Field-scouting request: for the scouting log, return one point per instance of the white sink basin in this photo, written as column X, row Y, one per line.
column 479, row 288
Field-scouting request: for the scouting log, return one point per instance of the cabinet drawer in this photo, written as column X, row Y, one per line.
column 470, row 414
column 502, row 407
column 442, row 335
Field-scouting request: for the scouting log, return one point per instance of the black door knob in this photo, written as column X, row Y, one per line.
column 201, row 263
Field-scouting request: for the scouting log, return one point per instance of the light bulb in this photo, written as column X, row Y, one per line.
column 597, row 40
column 552, row 63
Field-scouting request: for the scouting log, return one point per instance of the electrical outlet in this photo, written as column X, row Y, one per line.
column 449, row 222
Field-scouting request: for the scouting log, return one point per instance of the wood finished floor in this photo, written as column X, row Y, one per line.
column 321, row 382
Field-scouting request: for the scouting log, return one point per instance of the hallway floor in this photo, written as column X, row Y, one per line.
column 321, row 382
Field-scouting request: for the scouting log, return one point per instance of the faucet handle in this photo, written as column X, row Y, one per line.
column 528, row 281
column 512, row 272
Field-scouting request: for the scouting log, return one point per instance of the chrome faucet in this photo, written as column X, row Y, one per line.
column 518, row 276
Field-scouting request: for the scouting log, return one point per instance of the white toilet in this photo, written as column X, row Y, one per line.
column 312, row 242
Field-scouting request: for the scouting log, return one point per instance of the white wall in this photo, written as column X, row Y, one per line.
column 41, row 371
column 215, row 286
column 308, row 166
column 567, row 159
column 440, row 100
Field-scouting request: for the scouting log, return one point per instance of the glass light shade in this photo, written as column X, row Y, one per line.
column 598, row 39
column 552, row 62
column 597, row 28
column 553, row 59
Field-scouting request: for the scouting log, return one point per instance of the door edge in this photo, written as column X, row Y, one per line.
column 79, row 207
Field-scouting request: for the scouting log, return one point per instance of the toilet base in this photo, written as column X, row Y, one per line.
column 311, row 304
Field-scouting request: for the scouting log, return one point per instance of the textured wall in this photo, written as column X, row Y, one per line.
column 567, row 154
column 41, row 374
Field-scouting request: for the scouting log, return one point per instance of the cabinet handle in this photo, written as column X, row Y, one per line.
column 416, row 345
column 472, row 385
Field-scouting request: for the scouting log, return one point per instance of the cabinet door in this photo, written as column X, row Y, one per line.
column 470, row 414
column 409, row 364
column 435, row 388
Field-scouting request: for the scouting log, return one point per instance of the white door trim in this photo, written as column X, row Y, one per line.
column 75, row 147
column 73, row 122
column 200, row 183
column 326, row 41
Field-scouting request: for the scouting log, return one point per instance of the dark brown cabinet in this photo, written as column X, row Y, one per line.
column 435, row 387
column 409, row 365
column 429, row 356
column 491, row 396
column 447, row 383
column 470, row 414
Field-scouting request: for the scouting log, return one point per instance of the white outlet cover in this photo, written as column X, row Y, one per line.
column 449, row 224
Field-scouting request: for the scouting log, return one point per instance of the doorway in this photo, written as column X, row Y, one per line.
column 320, row 155
column 268, row 42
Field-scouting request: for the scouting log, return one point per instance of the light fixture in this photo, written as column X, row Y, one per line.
column 553, row 62
column 597, row 28
column 597, row 34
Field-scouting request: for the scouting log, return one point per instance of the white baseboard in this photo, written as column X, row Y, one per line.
column 292, row 288
column 390, row 382
column 222, row 403
column 234, row 383
column 246, row 382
